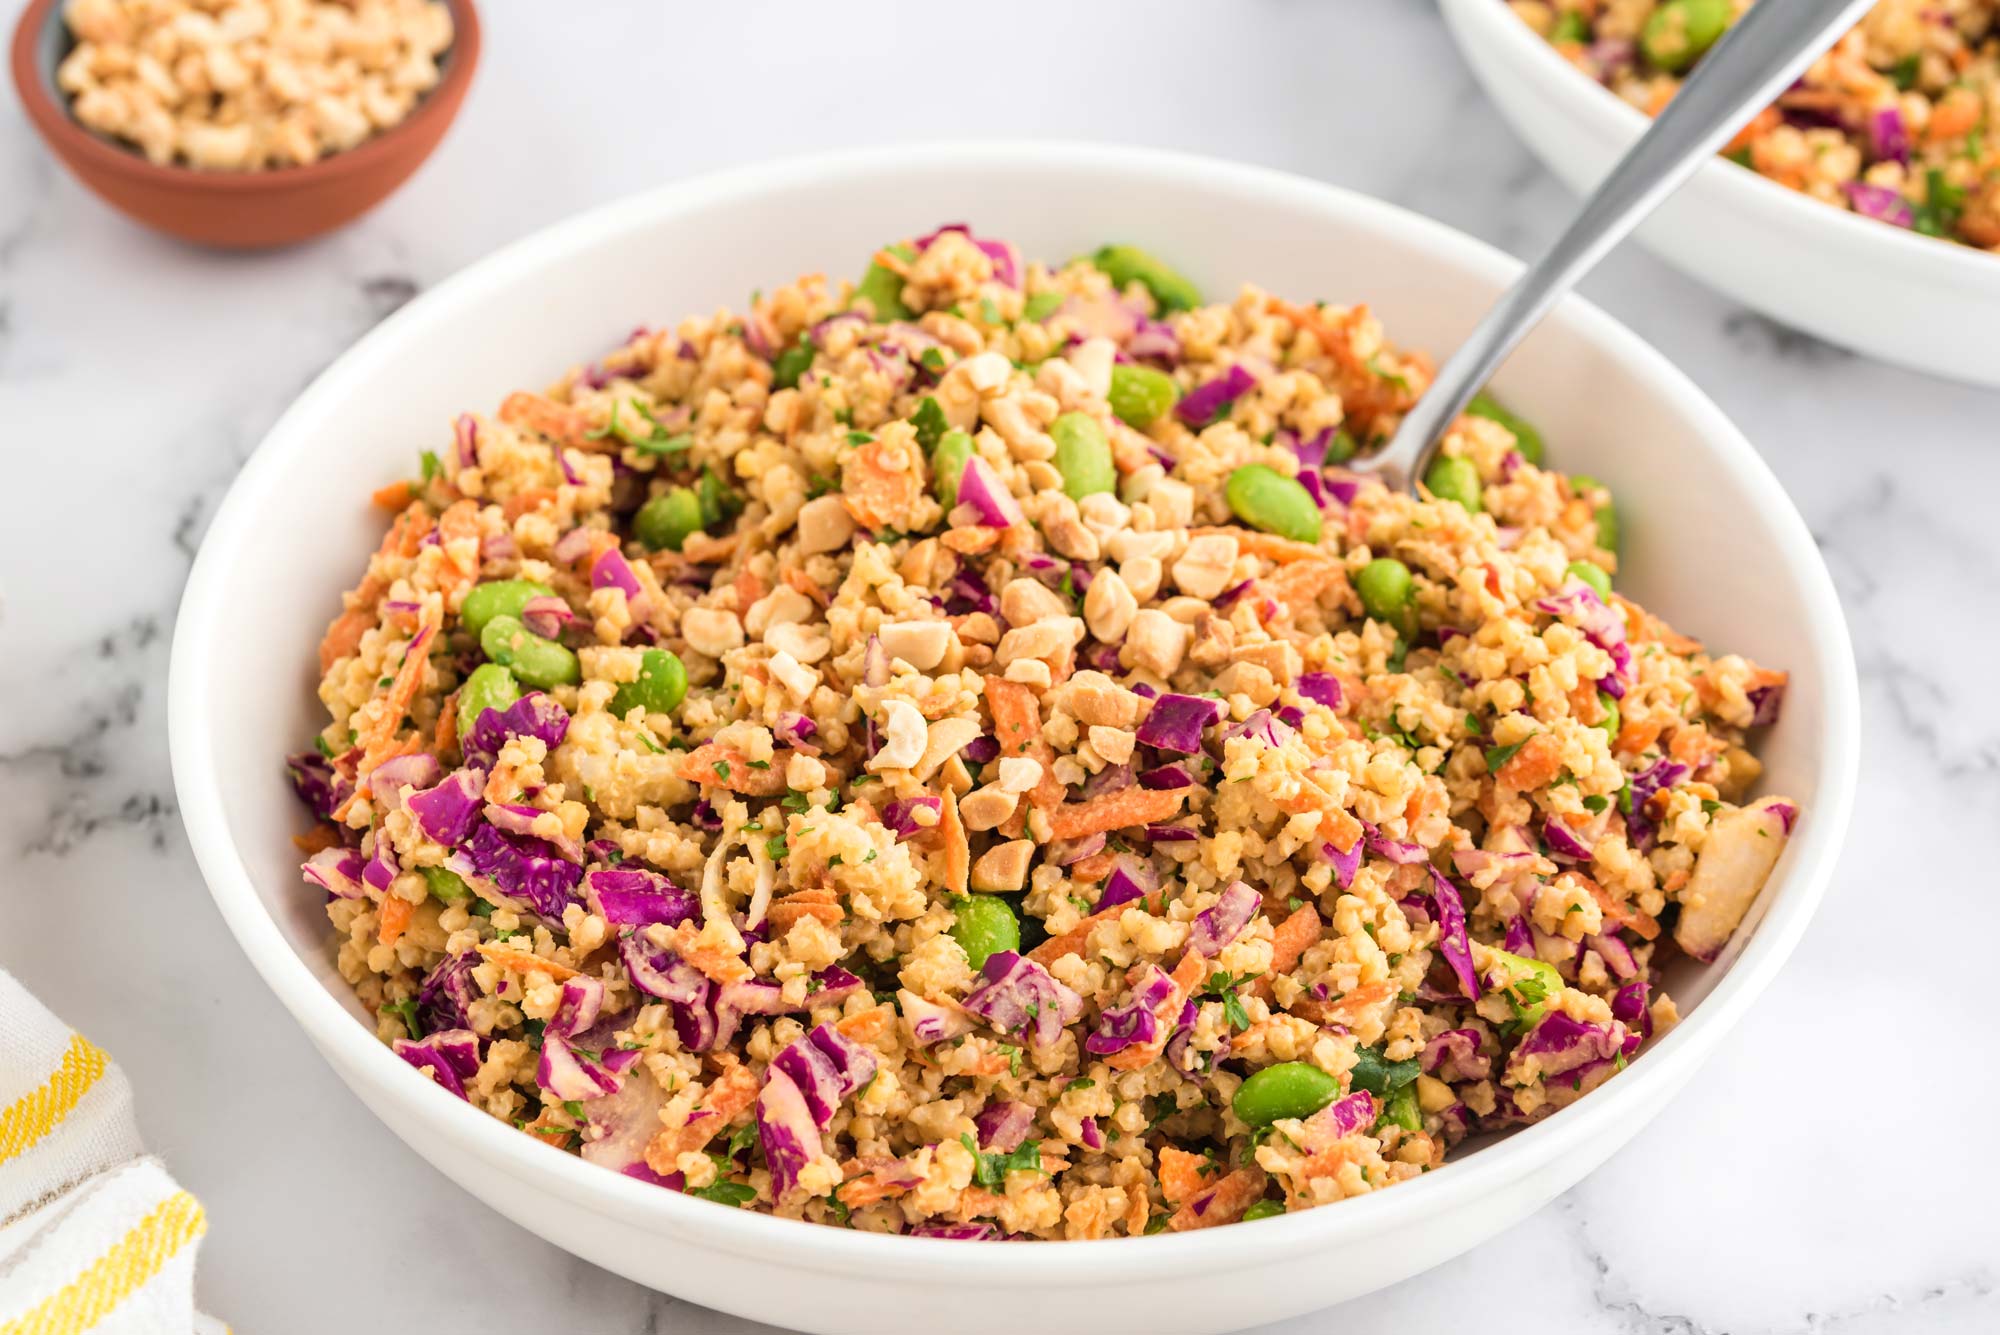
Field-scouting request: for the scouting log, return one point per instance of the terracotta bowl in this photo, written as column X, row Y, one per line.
column 236, row 210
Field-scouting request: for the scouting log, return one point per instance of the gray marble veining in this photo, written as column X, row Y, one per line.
column 1828, row 1172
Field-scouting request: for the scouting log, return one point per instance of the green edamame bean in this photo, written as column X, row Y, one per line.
column 1083, row 456
column 1289, row 1089
column 499, row 597
column 792, row 363
column 665, row 521
column 1681, row 31
column 1526, row 439
column 716, row 499
column 1607, row 513
column 1455, row 479
column 1263, row 1210
column 537, row 661
column 661, row 686
column 1592, row 574
column 1388, row 591
column 446, row 885
column 985, row 925
column 1610, row 721
column 884, row 290
column 1400, row 1109
column 1140, row 395
column 1125, row 265
column 948, row 461
column 488, row 686
column 1264, row 498
column 1530, row 984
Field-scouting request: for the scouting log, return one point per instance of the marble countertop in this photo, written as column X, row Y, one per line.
column 1831, row 1171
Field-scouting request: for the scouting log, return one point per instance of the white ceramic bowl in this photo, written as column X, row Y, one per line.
column 1913, row 300
column 1700, row 508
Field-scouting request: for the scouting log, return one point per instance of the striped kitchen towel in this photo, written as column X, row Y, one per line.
column 94, row 1235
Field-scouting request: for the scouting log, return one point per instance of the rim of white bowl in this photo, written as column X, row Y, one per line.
column 1546, row 73
column 1809, row 859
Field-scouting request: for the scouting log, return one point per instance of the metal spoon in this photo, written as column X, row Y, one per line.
column 1755, row 60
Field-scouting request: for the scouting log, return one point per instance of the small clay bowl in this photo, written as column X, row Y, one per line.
column 249, row 210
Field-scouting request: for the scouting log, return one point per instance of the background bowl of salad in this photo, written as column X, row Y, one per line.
column 1903, row 285
column 285, row 539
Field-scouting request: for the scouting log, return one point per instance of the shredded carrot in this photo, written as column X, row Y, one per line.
column 1223, row 1203
column 728, row 1094
column 1303, row 583
column 560, row 422
column 394, row 919
column 1956, row 114
column 1267, row 545
column 877, row 493
column 866, row 1026
column 513, row 957
column 1537, row 762
column 715, row 765
column 1759, row 125
column 1073, row 941
column 526, row 501
column 716, row 961
column 1634, row 737
column 1616, row 912
column 320, row 837
column 1179, row 1172
column 1290, row 940
column 863, row 1187
column 378, row 738
column 392, row 497
column 343, row 636
column 1115, row 811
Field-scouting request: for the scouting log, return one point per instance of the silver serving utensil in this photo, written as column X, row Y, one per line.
column 1760, row 55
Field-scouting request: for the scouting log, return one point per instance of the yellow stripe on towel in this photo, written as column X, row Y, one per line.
column 118, row 1274
column 37, row 1113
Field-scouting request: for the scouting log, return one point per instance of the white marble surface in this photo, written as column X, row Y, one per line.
column 1833, row 1170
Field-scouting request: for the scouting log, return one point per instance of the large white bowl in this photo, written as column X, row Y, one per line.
column 1712, row 542
column 1913, row 300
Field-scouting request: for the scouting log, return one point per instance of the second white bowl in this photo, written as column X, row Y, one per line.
column 1913, row 300
column 1701, row 510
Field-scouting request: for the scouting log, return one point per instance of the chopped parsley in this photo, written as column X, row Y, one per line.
column 428, row 462
column 721, row 769
column 725, row 1193
column 1224, row 985
column 931, row 360
column 859, row 437
column 1378, row 1075
column 989, row 311
column 1596, row 802
column 1497, row 756
column 406, row 1011
column 320, row 745
column 990, row 1170
column 929, row 421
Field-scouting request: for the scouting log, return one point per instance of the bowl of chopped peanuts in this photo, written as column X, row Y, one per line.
column 248, row 124
column 1351, row 926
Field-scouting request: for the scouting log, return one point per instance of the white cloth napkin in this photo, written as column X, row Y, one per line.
column 94, row 1234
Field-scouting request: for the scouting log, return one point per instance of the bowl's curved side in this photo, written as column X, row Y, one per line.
column 539, row 303
column 239, row 210
column 1917, row 302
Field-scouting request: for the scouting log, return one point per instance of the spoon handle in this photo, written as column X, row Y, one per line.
column 1754, row 61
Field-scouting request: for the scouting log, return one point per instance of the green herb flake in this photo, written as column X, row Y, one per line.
column 990, row 1170
column 1497, row 756
column 428, row 461
column 929, row 422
